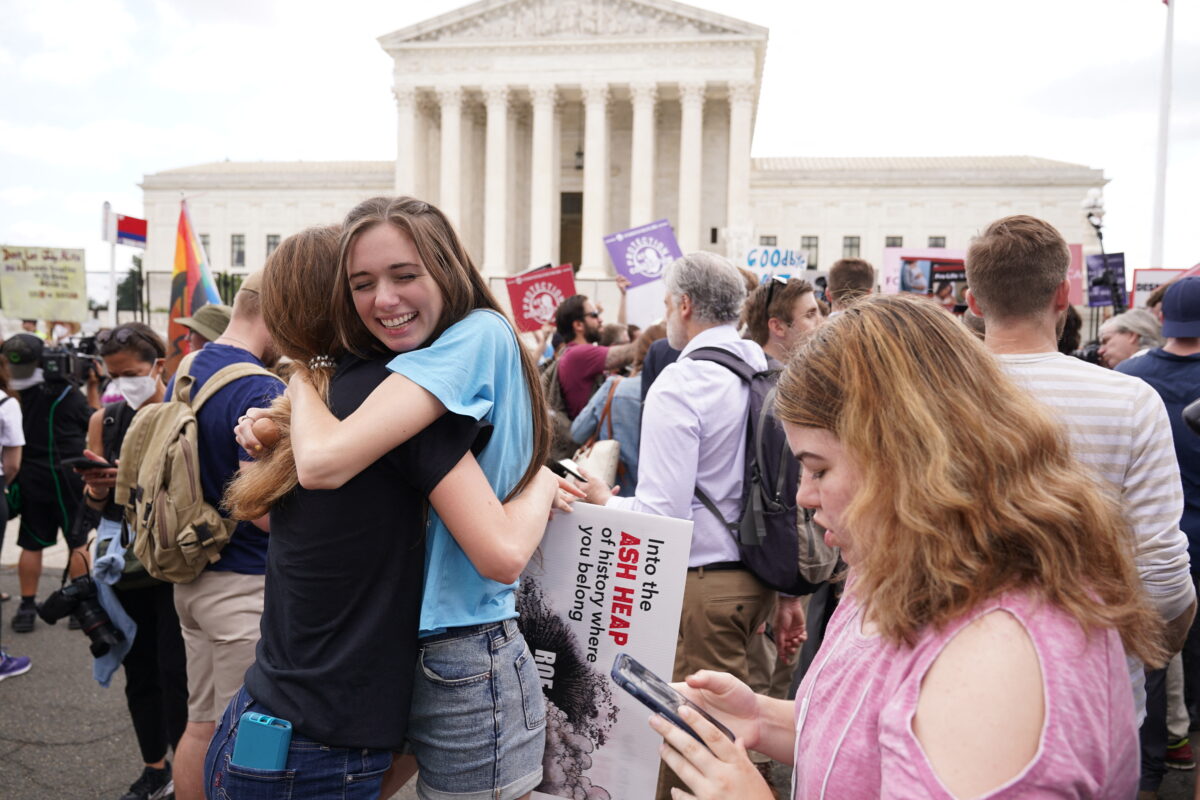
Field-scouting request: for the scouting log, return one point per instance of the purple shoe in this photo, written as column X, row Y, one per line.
column 13, row 665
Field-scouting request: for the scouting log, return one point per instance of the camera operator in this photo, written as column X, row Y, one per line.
column 55, row 422
column 153, row 652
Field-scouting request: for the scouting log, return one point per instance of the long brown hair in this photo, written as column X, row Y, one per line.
column 296, row 284
column 462, row 286
column 969, row 487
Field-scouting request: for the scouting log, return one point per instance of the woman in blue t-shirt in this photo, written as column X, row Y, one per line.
column 478, row 717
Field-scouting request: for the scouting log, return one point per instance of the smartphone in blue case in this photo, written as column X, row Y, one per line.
column 262, row 741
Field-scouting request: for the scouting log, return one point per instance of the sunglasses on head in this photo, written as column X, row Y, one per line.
column 122, row 337
column 775, row 280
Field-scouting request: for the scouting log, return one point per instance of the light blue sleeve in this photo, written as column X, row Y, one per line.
column 460, row 367
column 585, row 424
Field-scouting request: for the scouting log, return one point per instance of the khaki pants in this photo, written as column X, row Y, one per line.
column 219, row 613
column 721, row 612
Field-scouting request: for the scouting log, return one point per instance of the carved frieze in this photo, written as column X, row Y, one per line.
column 574, row 19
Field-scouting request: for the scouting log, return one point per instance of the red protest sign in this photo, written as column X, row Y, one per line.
column 535, row 295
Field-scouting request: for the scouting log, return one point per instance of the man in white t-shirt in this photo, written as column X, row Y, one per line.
column 1017, row 281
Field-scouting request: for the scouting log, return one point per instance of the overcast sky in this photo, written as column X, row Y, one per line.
column 94, row 94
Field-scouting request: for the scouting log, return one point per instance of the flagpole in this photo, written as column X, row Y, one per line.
column 1164, row 120
column 110, row 236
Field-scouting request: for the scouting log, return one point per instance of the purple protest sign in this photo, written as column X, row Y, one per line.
column 641, row 254
column 1101, row 295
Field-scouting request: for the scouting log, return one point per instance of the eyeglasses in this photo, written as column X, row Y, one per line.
column 592, row 314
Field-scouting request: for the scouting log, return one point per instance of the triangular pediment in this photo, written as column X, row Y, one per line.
column 571, row 19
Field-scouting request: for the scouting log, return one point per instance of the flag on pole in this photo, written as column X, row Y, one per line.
column 131, row 231
column 191, row 286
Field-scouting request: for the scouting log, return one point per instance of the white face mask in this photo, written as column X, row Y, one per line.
column 136, row 391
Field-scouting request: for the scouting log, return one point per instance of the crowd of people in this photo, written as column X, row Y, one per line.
column 993, row 592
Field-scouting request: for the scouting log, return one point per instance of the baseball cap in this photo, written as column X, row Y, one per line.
column 252, row 283
column 23, row 351
column 210, row 320
column 1181, row 309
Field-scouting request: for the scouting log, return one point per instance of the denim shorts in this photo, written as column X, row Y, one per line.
column 478, row 724
column 313, row 771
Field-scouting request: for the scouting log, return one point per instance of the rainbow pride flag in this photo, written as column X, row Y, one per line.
column 191, row 286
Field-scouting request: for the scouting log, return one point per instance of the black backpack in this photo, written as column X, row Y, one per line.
column 767, row 536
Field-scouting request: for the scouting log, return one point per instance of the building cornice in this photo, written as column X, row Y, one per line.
column 577, row 21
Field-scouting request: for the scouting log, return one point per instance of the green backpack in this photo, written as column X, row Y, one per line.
column 175, row 533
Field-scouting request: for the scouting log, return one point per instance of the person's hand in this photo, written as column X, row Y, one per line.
column 541, row 335
column 595, row 491
column 565, row 490
column 716, row 772
column 728, row 699
column 789, row 627
column 99, row 480
column 622, row 283
column 253, row 431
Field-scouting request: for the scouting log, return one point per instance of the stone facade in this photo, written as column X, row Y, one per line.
column 540, row 126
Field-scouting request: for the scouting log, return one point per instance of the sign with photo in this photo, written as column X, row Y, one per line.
column 43, row 283
column 1099, row 292
column 641, row 254
column 606, row 582
column 911, row 269
column 535, row 295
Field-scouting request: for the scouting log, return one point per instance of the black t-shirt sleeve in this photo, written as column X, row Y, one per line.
column 80, row 412
column 430, row 455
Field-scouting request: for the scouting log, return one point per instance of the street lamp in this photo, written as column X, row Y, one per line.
column 1093, row 209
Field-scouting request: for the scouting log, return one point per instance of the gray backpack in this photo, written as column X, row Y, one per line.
column 767, row 534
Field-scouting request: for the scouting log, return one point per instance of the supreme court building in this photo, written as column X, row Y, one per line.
column 540, row 126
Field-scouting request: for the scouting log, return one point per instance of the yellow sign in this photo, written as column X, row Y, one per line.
column 43, row 283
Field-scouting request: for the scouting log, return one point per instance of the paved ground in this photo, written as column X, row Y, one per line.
column 62, row 736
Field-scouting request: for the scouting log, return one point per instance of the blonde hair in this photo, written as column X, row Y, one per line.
column 968, row 488
column 299, row 278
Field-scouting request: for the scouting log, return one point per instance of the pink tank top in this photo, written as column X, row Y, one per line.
column 855, row 707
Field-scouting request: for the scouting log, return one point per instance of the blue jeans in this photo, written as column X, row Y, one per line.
column 314, row 771
column 478, row 724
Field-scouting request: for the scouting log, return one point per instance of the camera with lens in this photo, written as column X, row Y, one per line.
column 79, row 599
column 72, row 361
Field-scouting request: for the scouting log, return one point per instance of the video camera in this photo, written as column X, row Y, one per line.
column 72, row 361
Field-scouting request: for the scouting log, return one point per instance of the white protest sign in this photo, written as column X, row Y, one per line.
column 605, row 582
column 1145, row 281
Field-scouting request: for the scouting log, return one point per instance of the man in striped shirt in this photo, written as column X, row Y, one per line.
column 1017, row 279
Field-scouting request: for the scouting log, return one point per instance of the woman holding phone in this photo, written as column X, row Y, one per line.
column 979, row 650
column 155, row 664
